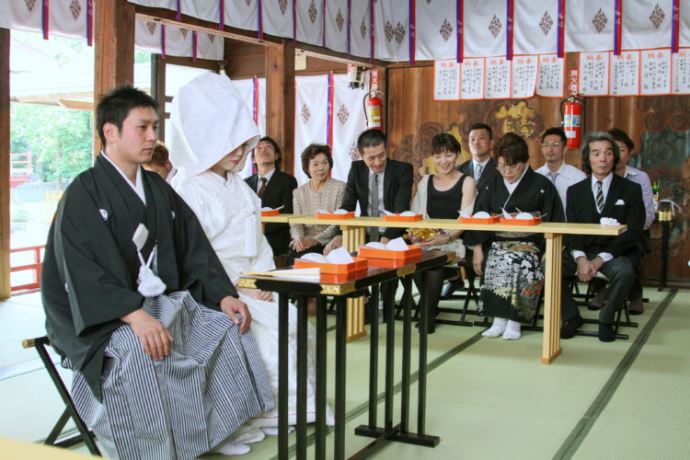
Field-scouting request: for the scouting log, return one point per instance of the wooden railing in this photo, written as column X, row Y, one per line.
column 35, row 266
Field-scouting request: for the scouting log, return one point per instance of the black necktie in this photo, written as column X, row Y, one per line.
column 262, row 188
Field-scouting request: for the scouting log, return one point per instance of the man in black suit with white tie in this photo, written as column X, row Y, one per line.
column 275, row 188
column 602, row 195
column 481, row 166
column 391, row 179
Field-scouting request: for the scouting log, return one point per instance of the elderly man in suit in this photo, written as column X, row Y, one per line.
column 603, row 194
column 274, row 187
column 376, row 182
column 482, row 166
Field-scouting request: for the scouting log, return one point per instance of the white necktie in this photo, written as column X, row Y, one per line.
column 600, row 197
column 478, row 171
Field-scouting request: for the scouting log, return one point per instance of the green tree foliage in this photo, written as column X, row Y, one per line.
column 59, row 139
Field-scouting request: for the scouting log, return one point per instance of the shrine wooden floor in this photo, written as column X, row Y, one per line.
column 487, row 398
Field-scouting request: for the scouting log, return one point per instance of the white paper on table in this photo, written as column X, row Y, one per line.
column 268, row 208
column 483, row 215
column 524, row 216
column 338, row 256
column 396, row 244
column 608, row 221
column 507, row 215
column 297, row 274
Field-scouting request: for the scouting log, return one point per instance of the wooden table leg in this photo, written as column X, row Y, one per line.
column 553, row 259
column 353, row 238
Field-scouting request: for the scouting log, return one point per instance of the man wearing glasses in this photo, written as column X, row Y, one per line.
column 561, row 174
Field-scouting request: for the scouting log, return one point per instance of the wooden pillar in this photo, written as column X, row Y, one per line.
column 280, row 100
column 4, row 163
column 114, row 54
column 158, row 90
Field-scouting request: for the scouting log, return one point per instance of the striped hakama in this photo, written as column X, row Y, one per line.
column 212, row 383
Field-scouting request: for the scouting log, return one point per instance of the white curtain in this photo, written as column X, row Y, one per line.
column 589, row 25
column 485, row 28
column 360, row 33
column 336, row 26
column 310, row 21
column 392, row 34
column 536, row 26
column 647, row 23
column 277, row 17
column 436, row 32
column 348, row 122
column 311, row 116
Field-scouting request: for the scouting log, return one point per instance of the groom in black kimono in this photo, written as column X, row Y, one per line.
column 98, row 317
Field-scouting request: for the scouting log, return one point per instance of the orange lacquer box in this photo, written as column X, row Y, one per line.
column 412, row 254
column 399, row 218
column 330, row 215
column 358, row 265
column 533, row 221
column 270, row 212
column 478, row 220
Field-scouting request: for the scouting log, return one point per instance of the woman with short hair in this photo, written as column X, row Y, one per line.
column 440, row 196
column 322, row 192
column 512, row 279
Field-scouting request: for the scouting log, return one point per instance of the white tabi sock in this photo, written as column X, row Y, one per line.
column 512, row 331
column 496, row 329
column 273, row 430
column 231, row 449
column 247, row 434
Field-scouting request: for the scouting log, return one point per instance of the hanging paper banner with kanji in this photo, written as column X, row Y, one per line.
column 446, row 80
column 594, row 74
column 524, row 76
column 681, row 71
column 472, row 78
column 551, row 76
column 655, row 72
column 497, row 78
column 625, row 74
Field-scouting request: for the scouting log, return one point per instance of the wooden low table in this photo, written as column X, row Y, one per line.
column 354, row 231
column 383, row 280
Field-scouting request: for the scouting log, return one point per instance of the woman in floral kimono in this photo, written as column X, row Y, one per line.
column 512, row 279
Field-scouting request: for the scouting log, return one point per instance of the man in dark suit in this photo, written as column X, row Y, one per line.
column 482, row 166
column 602, row 195
column 391, row 179
column 275, row 188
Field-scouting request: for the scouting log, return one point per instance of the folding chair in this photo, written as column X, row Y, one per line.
column 465, row 273
column 622, row 310
column 85, row 435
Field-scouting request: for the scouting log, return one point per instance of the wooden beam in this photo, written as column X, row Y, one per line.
column 280, row 100
column 4, row 163
column 114, row 53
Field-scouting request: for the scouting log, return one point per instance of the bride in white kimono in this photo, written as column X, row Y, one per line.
column 212, row 133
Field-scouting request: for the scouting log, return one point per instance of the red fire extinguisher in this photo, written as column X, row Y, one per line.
column 372, row 108
column 571, row 111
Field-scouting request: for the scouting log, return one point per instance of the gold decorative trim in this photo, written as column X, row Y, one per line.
column 406, row 270
column 247, row 283
column 337, row 289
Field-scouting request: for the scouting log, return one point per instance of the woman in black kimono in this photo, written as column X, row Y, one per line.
column 510, row 262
